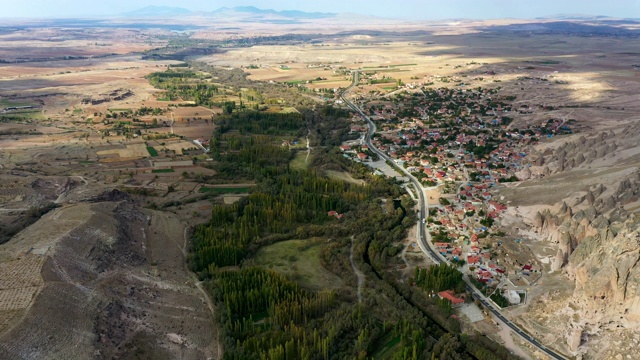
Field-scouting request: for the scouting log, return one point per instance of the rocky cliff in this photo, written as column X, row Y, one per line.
column 598, row 248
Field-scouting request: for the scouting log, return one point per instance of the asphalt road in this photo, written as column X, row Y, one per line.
column 425, row 245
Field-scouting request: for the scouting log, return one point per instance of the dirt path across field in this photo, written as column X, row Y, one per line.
column 357, row 271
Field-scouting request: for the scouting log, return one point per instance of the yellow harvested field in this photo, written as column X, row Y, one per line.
column 20, row 282
column 328, row 84
column 18, row 298
column 22, row 272
column 129, row 152
column 191, row 113
column 228, row 200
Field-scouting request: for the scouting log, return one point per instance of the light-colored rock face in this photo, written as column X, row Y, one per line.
column 574, row 339
column 607, row 269
column 598, row 248
column 594, row 233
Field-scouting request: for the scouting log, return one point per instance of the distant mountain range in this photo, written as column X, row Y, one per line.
column 583, row 17
column 156, row 11
column 246, row 11
column 297, row 14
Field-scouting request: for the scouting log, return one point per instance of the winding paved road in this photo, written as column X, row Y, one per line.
column 424, row 236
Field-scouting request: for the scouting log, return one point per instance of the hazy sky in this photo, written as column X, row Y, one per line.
column 411, row 9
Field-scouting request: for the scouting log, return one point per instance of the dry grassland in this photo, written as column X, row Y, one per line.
column 341, row 175
column 193, row 113
column 29, row 43
column 179, row 145
column 578, row 69
column 133, row 151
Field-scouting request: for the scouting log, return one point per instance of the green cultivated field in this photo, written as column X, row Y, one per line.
column 152, row 151
column 299, row 262
column 22, row 114
column 8, row 103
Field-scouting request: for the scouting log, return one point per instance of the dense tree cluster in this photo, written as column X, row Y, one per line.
column 278, row 206
column 328, row 126
column 244, row 144
column 500, row 299
column 256, row 122
column 182, row 84
column 439, row 277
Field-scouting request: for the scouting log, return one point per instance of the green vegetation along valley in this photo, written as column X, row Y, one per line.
column 250, row 254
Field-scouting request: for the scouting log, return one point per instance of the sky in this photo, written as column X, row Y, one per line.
column 409, row 9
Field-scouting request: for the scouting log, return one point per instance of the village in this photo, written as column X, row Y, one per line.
column 458, row 143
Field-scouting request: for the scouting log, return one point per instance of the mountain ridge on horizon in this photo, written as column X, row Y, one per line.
column 153, row 11
column 164, row 11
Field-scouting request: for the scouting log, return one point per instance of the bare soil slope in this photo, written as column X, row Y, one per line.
column 108, row 281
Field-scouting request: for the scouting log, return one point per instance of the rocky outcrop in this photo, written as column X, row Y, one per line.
column 598, row 248
column 581, row 152
column 574, row 338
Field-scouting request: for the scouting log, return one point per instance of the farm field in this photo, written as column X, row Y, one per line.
column 299, row 260
column 133, row 151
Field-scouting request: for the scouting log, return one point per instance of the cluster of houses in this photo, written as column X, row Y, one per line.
column 456, row 136
column 448, row 131
column 358, row 152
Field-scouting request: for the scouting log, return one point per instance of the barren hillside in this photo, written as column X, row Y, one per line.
column 106, row 280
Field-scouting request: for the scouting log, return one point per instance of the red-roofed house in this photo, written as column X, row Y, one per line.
column 472, row 260
column 496, row 206
column 484, row 274
column 449, row 295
